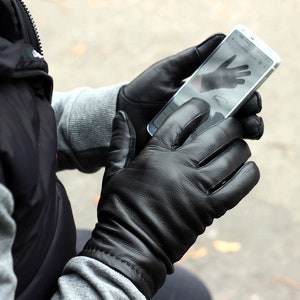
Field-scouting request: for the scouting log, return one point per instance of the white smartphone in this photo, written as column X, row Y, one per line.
column 235, row 69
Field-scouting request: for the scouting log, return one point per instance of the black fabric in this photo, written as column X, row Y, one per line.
column 28, row 149
column 45, row 237
column 8, row 22
column 10, row 54
column 61, row 248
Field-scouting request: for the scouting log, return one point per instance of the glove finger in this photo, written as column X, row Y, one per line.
column 235, row 189
column 183, row 64
column 206, row 47
column 253, row 127
column 216, row 172
column 180, row 124
column 207, row 145
column 122, row 147
column 251, row 107
column 167, row 75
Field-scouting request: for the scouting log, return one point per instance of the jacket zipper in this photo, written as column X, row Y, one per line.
column 28, row 26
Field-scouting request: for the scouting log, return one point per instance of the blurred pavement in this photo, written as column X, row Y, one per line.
column 97, row 42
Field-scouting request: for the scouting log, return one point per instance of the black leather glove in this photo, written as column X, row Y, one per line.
column 253, row 125
column 153, row 207
column 142, row 98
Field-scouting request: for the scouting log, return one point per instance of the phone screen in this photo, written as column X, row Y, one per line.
column 227, row 77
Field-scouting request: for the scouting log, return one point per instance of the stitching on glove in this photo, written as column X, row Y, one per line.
column 135, row 269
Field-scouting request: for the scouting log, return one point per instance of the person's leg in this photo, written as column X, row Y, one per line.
column 82, row 237
column 182, row 284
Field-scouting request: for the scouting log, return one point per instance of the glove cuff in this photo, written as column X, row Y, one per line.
column 148, row 276
column 120, row 99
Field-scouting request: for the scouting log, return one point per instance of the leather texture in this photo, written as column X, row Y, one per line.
column 153, row 207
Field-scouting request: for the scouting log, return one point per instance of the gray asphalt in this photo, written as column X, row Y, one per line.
column 96, row 43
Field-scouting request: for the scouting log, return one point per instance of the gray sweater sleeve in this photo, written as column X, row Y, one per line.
column 84, row 119
column 86, row 278
column 8, row 279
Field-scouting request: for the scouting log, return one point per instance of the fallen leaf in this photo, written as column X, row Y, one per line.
column 96, row 199
column 195, row 253
column 65, row 5
column 227, row 247
column 288, row 281
column 78, row 50
column 93, row 2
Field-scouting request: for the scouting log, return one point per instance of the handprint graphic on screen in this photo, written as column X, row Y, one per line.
column 222, row 77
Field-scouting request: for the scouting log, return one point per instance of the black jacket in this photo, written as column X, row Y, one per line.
column 45, row 238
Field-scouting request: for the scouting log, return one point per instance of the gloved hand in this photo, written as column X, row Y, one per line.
column 153, row 207
column 143, row 97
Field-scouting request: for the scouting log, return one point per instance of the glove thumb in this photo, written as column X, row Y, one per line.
column 122, row 146
column 206, row 48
